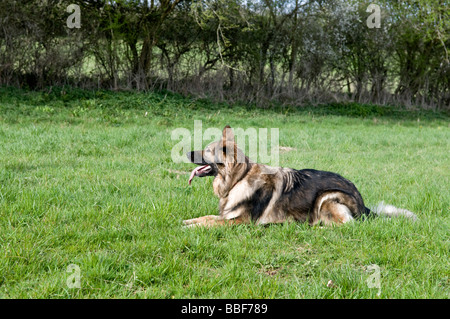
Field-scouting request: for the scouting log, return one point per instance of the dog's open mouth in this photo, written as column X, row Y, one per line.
column 200, row 172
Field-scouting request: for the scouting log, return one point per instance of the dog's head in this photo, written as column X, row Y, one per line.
column 218, row 157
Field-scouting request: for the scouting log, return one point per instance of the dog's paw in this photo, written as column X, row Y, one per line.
column 195, row 225
column 188, row 222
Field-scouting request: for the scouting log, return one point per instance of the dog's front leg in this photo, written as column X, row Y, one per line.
column 212, row 220
column 200, row 220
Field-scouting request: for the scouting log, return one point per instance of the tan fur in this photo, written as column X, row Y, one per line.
column 274, row 194
column 213, row 220
column 328, row 210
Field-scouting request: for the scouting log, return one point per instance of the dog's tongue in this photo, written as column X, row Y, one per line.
column 196, row 172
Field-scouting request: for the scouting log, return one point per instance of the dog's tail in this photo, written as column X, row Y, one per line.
column 386, row 210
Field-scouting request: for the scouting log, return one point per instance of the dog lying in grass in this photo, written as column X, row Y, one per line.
column 252, row 192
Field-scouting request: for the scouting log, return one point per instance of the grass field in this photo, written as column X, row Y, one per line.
column 87, row 178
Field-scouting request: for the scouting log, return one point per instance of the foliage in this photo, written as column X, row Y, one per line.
column 289, row 51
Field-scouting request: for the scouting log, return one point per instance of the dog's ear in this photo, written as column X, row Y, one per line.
column 227, row 134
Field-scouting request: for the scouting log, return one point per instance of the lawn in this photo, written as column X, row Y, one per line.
column 87, row 179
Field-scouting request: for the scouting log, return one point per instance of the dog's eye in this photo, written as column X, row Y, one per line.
column 208, row 151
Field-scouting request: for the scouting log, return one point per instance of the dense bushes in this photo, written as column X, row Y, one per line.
column 290, row 51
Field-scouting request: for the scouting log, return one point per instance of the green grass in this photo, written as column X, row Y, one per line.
column 87, row 178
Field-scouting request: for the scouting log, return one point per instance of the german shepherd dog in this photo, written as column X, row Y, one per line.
column 251, row 192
